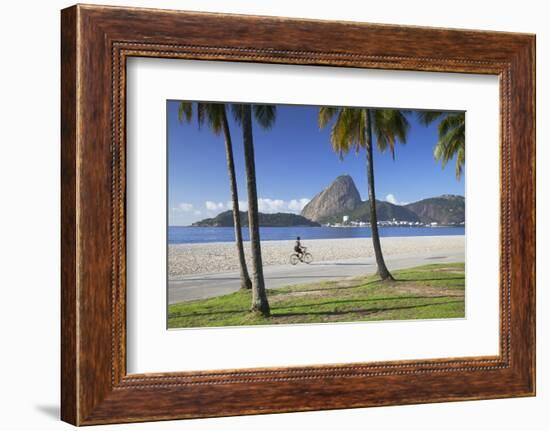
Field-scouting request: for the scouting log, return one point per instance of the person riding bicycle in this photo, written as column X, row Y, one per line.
column 298, row 248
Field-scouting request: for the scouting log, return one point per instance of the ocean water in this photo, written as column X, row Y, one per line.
column 192, row 235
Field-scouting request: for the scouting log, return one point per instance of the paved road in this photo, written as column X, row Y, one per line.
column 200, row 286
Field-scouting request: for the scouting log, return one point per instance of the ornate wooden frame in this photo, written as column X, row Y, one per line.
column 95, row 43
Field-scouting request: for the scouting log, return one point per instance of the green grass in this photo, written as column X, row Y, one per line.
column 424, row 292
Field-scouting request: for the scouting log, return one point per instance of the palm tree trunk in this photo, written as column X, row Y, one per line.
column 245, row 278
column 259, row 295
column 382, row 269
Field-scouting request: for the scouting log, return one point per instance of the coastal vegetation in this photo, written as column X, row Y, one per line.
column 265, row 118
column 352, row 129
column 452, row 137
column 225, row 219
column 424, row 292
column 445, row 210
column 216, row 116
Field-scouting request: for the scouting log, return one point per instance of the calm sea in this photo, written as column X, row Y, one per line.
column 190, row 235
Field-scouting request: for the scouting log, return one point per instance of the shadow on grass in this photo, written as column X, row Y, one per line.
column 274, row 308
column 361, row 285
column 282, row 277
column 364, row 311
column 324, row 289
column 429, row 279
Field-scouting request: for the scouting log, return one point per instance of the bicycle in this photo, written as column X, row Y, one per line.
column 306, row 257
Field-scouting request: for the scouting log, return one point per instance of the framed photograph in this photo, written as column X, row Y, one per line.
column 267, row 215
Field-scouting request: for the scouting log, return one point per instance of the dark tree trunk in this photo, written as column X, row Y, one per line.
column 245, row 278
column 382, row 269
column 259, row 296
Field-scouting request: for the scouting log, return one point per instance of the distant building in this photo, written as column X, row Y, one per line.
column 345, row 219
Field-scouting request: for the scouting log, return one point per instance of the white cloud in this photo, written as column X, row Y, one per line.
column 214, row 206
column 298, row 204
column 183, row 214
column 184, row 207
column 243, row 205
column 393, row 200
column 268, row 205
column 265, row 205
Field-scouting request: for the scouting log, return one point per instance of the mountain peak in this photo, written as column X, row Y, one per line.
column 444, row 209
column 341, row 198
column 341, row 195
column 452, row 197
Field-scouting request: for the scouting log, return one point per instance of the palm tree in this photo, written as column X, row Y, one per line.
column 354, row 129
column 265, row 117
column 216, row 117
column 451, row 141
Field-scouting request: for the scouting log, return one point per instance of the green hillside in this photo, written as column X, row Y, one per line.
column 385, row 211
column 225, row 219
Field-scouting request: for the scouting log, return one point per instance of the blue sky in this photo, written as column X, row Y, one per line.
column 294, row 161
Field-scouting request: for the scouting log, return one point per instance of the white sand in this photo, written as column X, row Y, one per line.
column 185, row 259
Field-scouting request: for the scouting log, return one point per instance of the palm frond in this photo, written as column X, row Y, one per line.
column 237, row 111
column 265, row 115
column 201, row 113
column 452, row 144
column 326, row 114
column 349, row 129
column 451, row 121
column 348, row 132
column 389, row 125
column 185, row 111
column 459, row 165
column 339, row 134
column 216, row 112
column 428, row 117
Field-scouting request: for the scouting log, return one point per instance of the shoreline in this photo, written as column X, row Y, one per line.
column 218, row 257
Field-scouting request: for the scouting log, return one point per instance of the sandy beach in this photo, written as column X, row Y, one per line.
column 187, row 259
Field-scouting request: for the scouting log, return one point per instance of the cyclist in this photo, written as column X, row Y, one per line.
column 298, row 248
